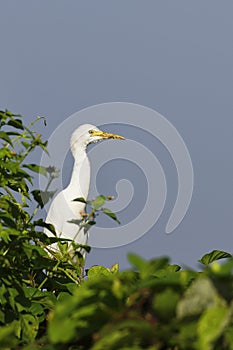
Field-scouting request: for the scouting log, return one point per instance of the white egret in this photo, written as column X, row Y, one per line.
column 63, row 209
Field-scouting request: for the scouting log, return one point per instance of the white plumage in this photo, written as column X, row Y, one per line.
column 63, row 208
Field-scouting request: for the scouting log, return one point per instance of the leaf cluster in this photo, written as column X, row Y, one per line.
column 96, row 207
column 155, row 305
column 31, row 279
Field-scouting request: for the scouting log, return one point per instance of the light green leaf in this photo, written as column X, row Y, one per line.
column 200, row 296
column 115, row 268
column 5, row 152
column 29, row 325
column 225, row 269
column 8, row 333
column 98, row 202
column 98, row 271
column 211, row 325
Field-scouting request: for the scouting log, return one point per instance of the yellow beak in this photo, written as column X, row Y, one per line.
column 106, row 135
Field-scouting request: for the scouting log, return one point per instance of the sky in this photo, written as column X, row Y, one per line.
column 174, row 57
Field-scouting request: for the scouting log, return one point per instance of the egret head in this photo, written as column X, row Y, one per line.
column 86, row 134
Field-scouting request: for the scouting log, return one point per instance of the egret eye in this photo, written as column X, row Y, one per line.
column 91, row 132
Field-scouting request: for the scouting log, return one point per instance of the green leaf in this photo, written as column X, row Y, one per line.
column 5, row 152
column 16, row 123
column 76, row 246
column 90, row 223
column 225, row 269
column 49, row 227
column 211, row 326
column 42, row 197
column 8, row 220
column 8, row 113
column 188, row 336
column 30, row 248
column 110, row 214
column 80, row 199
column 213, row 256
column 200, row 296
column 77, row 222
column 98, row 271
column 29, row 325
column 8, row 338
column 98, row 202
column 137, row 261
column 36, row 168
column 23, row 174
column 5, row 137
column 13, row 133
column 229, row 336
column 115, row 268
column 165, row 304
column 26, row 144
column 61, row 331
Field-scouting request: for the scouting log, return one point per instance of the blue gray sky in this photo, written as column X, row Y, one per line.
column 176, row 57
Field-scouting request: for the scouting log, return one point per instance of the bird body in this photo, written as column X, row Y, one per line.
column 63, row 207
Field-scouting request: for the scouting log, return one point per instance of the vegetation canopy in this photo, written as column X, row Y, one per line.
column 47, row 302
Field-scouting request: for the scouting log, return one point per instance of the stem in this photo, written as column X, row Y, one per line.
column 43, row 282
column 49, row 183
column 69, row 276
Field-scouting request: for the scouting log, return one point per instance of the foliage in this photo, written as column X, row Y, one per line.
column 155, row 305
column 30, row 280
column 95, row 208
column 46, row 303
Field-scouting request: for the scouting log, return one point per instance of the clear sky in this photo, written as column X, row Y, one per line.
column 175, row 57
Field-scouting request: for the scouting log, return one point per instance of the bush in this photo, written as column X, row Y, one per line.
column 46, row 303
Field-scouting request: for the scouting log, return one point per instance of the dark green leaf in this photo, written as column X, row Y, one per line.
column 213, row 256
column 91, row 222
column 137, row 261
column 49, row 227
column 36, row 168
column 110, row 214
column 16, row 123
column 165, row 304
column 5, row 137
column 87, row 248
column 80, row 199
column 7, row 220
column 42, row 197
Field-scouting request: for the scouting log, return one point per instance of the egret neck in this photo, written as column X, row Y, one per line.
column 80, row 179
